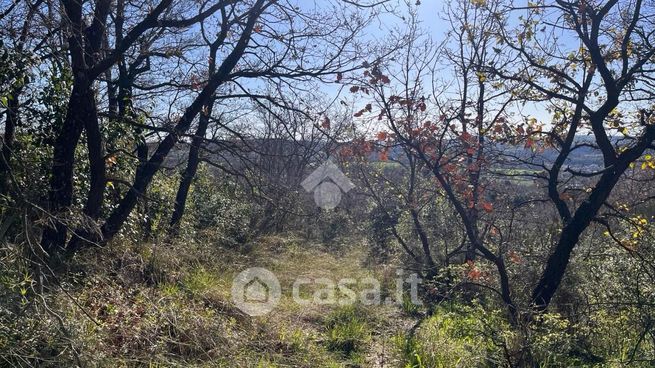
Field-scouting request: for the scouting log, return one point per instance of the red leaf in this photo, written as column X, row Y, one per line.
column 474, row 274
column 514, row 257
column 488, row 207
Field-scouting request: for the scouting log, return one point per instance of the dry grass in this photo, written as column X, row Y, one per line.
column 156, row 305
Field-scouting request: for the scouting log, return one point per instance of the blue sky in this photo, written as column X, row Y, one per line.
column 429, row 14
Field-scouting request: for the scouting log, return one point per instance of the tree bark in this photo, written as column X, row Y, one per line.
column 558, row 261
column 11, row 123
column 189, row 173
column 196, row 142
column 61, row 180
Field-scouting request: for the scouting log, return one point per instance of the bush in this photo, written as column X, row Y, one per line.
column 216, row 207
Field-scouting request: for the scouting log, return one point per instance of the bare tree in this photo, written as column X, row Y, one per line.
column 450, row 128
column 588, row 60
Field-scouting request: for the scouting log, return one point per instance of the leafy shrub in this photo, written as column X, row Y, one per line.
column 217, row 207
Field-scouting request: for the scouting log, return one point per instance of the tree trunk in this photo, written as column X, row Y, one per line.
column 96, row 163
column 559, row 259
column 11, row 123
column 96, row 193
column 141, row 181
column 189, row 172
column 425, row 244
column 63, row 162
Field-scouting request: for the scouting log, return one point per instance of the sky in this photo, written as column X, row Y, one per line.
column 431, row 21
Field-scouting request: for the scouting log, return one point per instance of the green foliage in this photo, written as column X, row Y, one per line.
column 457, row 337
column 49, row 112
column 217, row 206
column 409, row 307
column 381, row 222
column 14, row 71
column 348, row 330
column 330, row 225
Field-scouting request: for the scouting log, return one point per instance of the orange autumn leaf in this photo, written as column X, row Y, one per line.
column 111, row 161
column 382, row 136
column 514, row 257
column 474, row 274
column 487, row 207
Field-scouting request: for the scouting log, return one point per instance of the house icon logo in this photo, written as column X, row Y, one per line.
column 256, row 291
column 327, row 193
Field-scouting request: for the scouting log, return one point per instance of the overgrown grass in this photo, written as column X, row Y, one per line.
column 448, row 339
column 169, row 305
column 348, row 331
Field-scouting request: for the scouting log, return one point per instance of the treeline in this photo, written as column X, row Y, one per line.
column 445, row 139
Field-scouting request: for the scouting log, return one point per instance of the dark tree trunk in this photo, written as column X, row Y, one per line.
column 141, row 181
column 81, row 114
column 425, row 244
column 96, row 162
column 11, row 123
column 559, row 259
column 143, row 178
column 189, row 173
column 61, row 180
column 196, row 142
column 97, row 177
